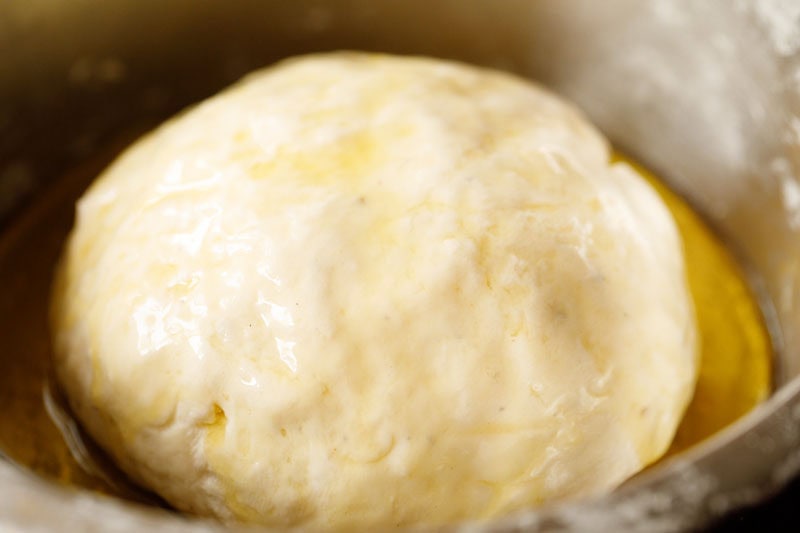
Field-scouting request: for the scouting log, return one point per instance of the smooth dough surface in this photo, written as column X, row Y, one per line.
column 363, row 291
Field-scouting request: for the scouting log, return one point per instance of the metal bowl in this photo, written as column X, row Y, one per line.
column 707, row 94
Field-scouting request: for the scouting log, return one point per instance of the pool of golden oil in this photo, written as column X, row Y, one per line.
column 735, row 350
column 37, row 432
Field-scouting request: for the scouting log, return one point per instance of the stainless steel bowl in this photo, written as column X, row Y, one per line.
column 707, row 94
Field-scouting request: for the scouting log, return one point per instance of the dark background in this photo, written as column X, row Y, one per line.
column 781, row 513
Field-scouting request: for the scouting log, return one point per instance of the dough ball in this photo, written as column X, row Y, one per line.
column 363, row 291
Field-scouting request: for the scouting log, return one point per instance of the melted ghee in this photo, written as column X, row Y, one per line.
column 37, row 433
column 735, row 350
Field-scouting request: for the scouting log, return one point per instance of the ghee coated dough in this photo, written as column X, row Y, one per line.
column 366, row 291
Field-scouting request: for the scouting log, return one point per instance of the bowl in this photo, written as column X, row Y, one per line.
column 706, row 94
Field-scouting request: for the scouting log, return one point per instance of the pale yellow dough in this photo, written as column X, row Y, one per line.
column 363, row 291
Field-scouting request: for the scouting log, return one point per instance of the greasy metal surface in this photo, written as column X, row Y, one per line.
column 704, row 93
